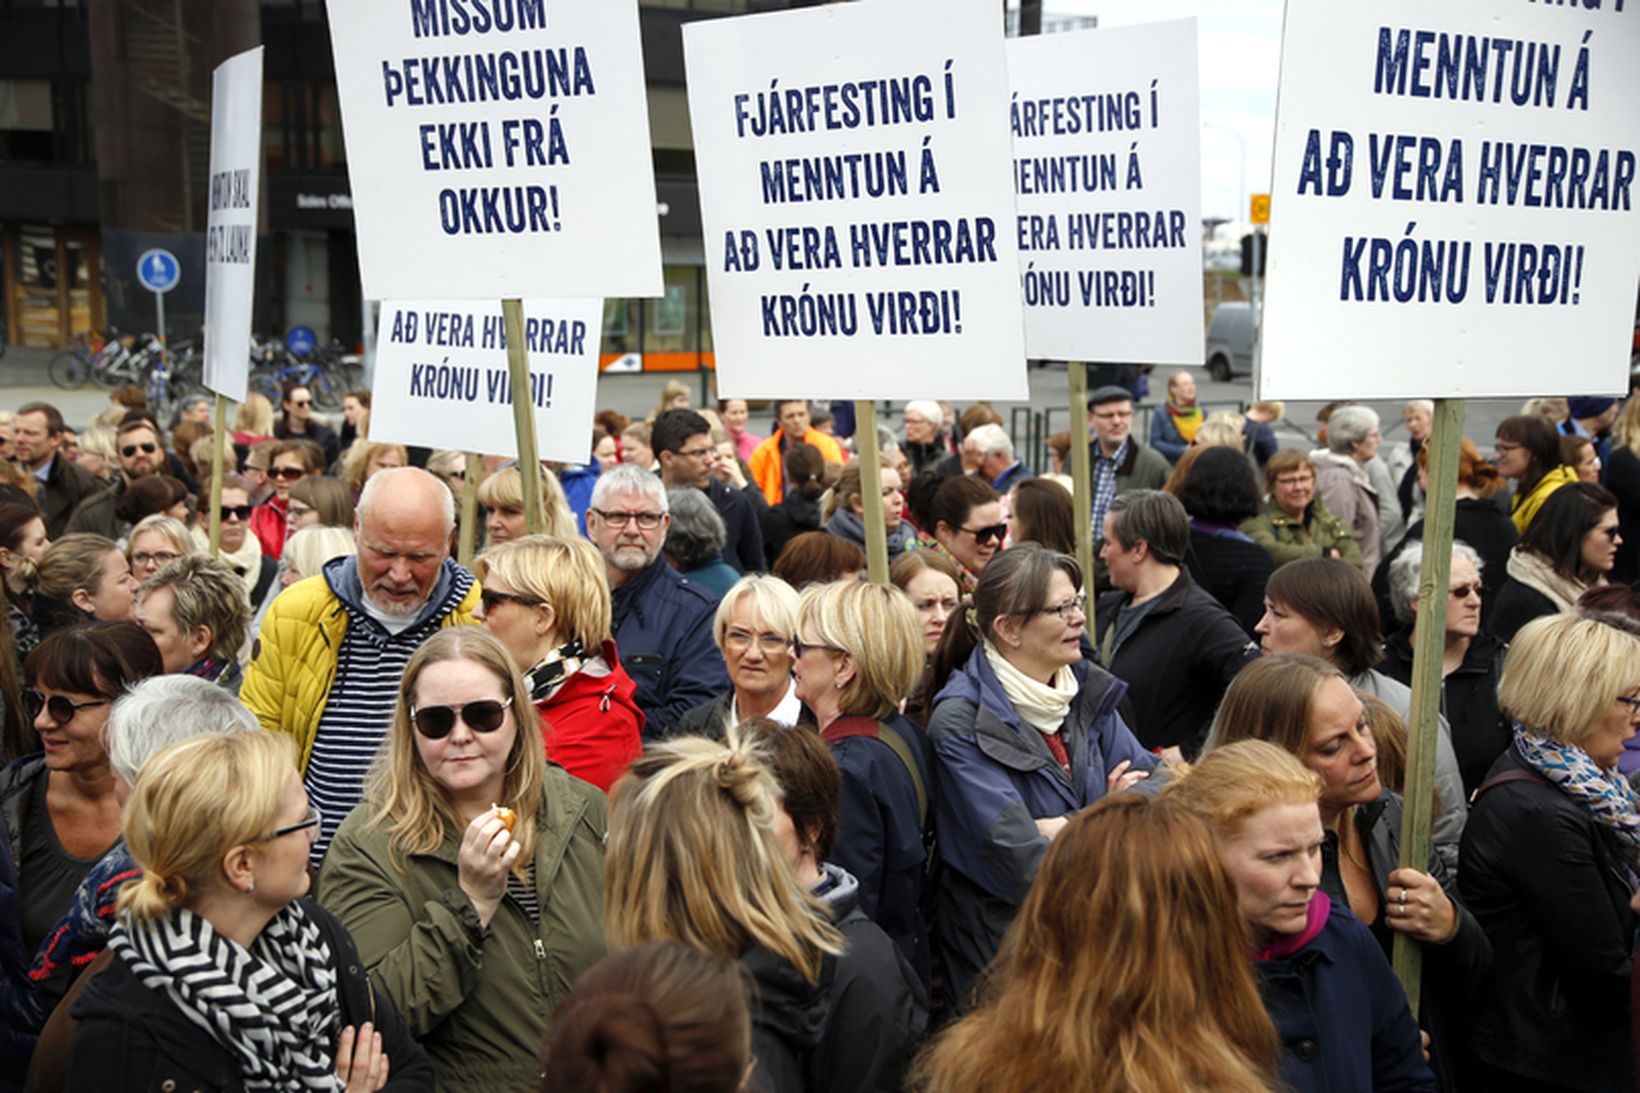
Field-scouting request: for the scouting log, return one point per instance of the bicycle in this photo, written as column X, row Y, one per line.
column 70, row 368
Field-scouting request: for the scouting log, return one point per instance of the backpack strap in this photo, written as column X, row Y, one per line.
column 1504, row 779
column 846, row 727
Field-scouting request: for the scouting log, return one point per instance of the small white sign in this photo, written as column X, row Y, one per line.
column 442, row 382
column 857, row 207
column 497, row 148
column 1454, row 201
column 230, row 221
column 1107, row 170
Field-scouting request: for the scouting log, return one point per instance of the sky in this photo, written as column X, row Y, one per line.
column 1239, row 46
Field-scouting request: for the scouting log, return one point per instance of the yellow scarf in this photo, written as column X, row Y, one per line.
column 1186, row 419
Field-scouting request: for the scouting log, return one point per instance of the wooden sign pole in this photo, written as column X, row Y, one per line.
column 469, row 510
column 217, row 440
column 1082, row 477
column 529, row 462
column 871, row 489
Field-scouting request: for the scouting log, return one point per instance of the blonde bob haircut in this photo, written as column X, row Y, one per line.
column 192, row 803
column 1229, row 785
column 774, row 605
column 875, row 626
column 692, row 857
column 1562, row 673
column 168, row 526
column 409, row 802
column 566, row 574
column 505, row 490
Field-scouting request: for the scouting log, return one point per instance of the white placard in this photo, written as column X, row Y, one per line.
column 857, row 206
column 230, row 221
column 442, row 382
column 1107, row 172
column 497, row 148
column 1453, row 211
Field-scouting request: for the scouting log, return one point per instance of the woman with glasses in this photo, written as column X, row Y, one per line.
column 547, row 601
column 1550, row 865
column 472, row 872
column 753, row 627
column 1026, row 734
column 155, row 542
column 1569, row 547
column 965, row 522
column 82, row 578
column 59, row 808
column 289, row 461
column 223, row 975
column 1295, row 522
column 1528, row 451
column 1471, row 658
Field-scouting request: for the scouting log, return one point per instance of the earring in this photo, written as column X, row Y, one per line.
column 250, row 886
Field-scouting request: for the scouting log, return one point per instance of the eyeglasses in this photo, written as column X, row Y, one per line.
column 1288, row 482
column 1464, row 591
column 313, row 820
column 1113, row 415
column 435, row 722
column 228, row 512
column 768, row 644
column 648, row 521
column 130, row 450
column 60, row 708
column 161, row 557
column 289, row 474
column 799, row 647
column 985, row 535
column 697, row 453
column 1506, row 446
column 1076, row 605
column 491, row 599
column 1632, row 703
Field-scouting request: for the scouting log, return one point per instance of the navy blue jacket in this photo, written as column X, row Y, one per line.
column 994, row 777
column 743, row 539
column 663, row 629
column 1342, row 1015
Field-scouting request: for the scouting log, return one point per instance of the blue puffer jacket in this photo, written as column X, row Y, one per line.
column 663, row 629
column 994, row 777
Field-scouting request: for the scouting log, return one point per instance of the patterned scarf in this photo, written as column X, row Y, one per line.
column 1605, row 795
column 1186, row 419
column 273, row 1006
column 544, row 679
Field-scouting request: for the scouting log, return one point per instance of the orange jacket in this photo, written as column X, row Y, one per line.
column 768, row 468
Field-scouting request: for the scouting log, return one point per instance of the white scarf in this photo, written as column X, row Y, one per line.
column 1534, row 571
column 1043, row 706
column 247, row 560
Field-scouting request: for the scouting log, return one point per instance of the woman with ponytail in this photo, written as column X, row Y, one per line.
column 695, row 857
column 223, row 977
column 1026, row 734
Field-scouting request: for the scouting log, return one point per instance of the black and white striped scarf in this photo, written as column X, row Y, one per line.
column 273, row 1006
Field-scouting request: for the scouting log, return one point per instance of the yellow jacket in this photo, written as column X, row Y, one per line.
column 768, row 469
column 293, row 662
column 1522, row 509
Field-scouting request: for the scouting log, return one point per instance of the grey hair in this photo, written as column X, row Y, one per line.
column 381, row 481
column 164, row 710
column 1154, row 518
column 696, row 534
column 1348, row 426
column 1405, row 570
column 629, row 478
column 992, row 438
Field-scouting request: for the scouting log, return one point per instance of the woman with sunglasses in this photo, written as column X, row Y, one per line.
column 240, row 548
column 82, row 578
column 1567, row 549
column 289, row 461
column 472, row 873
column 547, row 601
column 1026, row 734
column 223, row 976
column 965, row 523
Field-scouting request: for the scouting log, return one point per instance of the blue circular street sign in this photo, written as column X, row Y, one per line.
column 301, row 340
column 158, row 270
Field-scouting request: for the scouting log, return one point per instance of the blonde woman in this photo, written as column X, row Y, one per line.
column 253, row 421
column 154, row 543
column 471, row 874
column 79, row 578
column 694, row 857
column 308, row 551
column 365, row 457
column 502, row 495
column 223, row 976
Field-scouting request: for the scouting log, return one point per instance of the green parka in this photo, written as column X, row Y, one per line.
column 1288, row 540
column 478, row 998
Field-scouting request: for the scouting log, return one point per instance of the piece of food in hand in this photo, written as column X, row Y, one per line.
column 506, row 815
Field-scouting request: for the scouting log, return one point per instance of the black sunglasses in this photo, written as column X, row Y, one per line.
column 492, row 599
column 60, row 708
column 241, row 511
column 292, row 473
column 130, row 450
column 435, row 722
column 985, row 535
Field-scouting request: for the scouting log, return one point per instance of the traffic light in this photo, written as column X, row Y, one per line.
column 1247, row 255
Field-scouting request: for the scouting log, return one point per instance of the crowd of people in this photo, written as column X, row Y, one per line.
column 666, row 796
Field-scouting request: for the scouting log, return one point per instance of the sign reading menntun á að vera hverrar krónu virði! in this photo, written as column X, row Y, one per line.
column 1453, row 203
column 497, row 148
column 856, row 200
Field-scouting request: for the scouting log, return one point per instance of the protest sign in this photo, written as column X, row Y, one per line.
column 1107, row 173
column 497, row 148
column 857, row 206
column 230, row 221
column 442, row 380
column 1453, row 200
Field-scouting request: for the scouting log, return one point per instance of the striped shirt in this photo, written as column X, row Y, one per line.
column 369, row 666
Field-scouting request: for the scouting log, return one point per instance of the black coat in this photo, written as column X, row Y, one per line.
column 1483, row 525
column 1177, row 663
column 134, row 1038
column 66, row 485
column 1233, row 569
column 1469, row 700
column 708, row 718
column 786, row 521
column 743, row 543
column 1540, row 874
column 1516, row 605
column 1623, row 479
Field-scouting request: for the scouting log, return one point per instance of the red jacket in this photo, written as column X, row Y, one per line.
column 268, row 522
column 592, row 726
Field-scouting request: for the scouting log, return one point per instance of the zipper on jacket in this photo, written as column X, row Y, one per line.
column 540, row 950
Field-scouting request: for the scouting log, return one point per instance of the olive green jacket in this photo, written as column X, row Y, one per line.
column 1288, row 540
column 478, row 998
